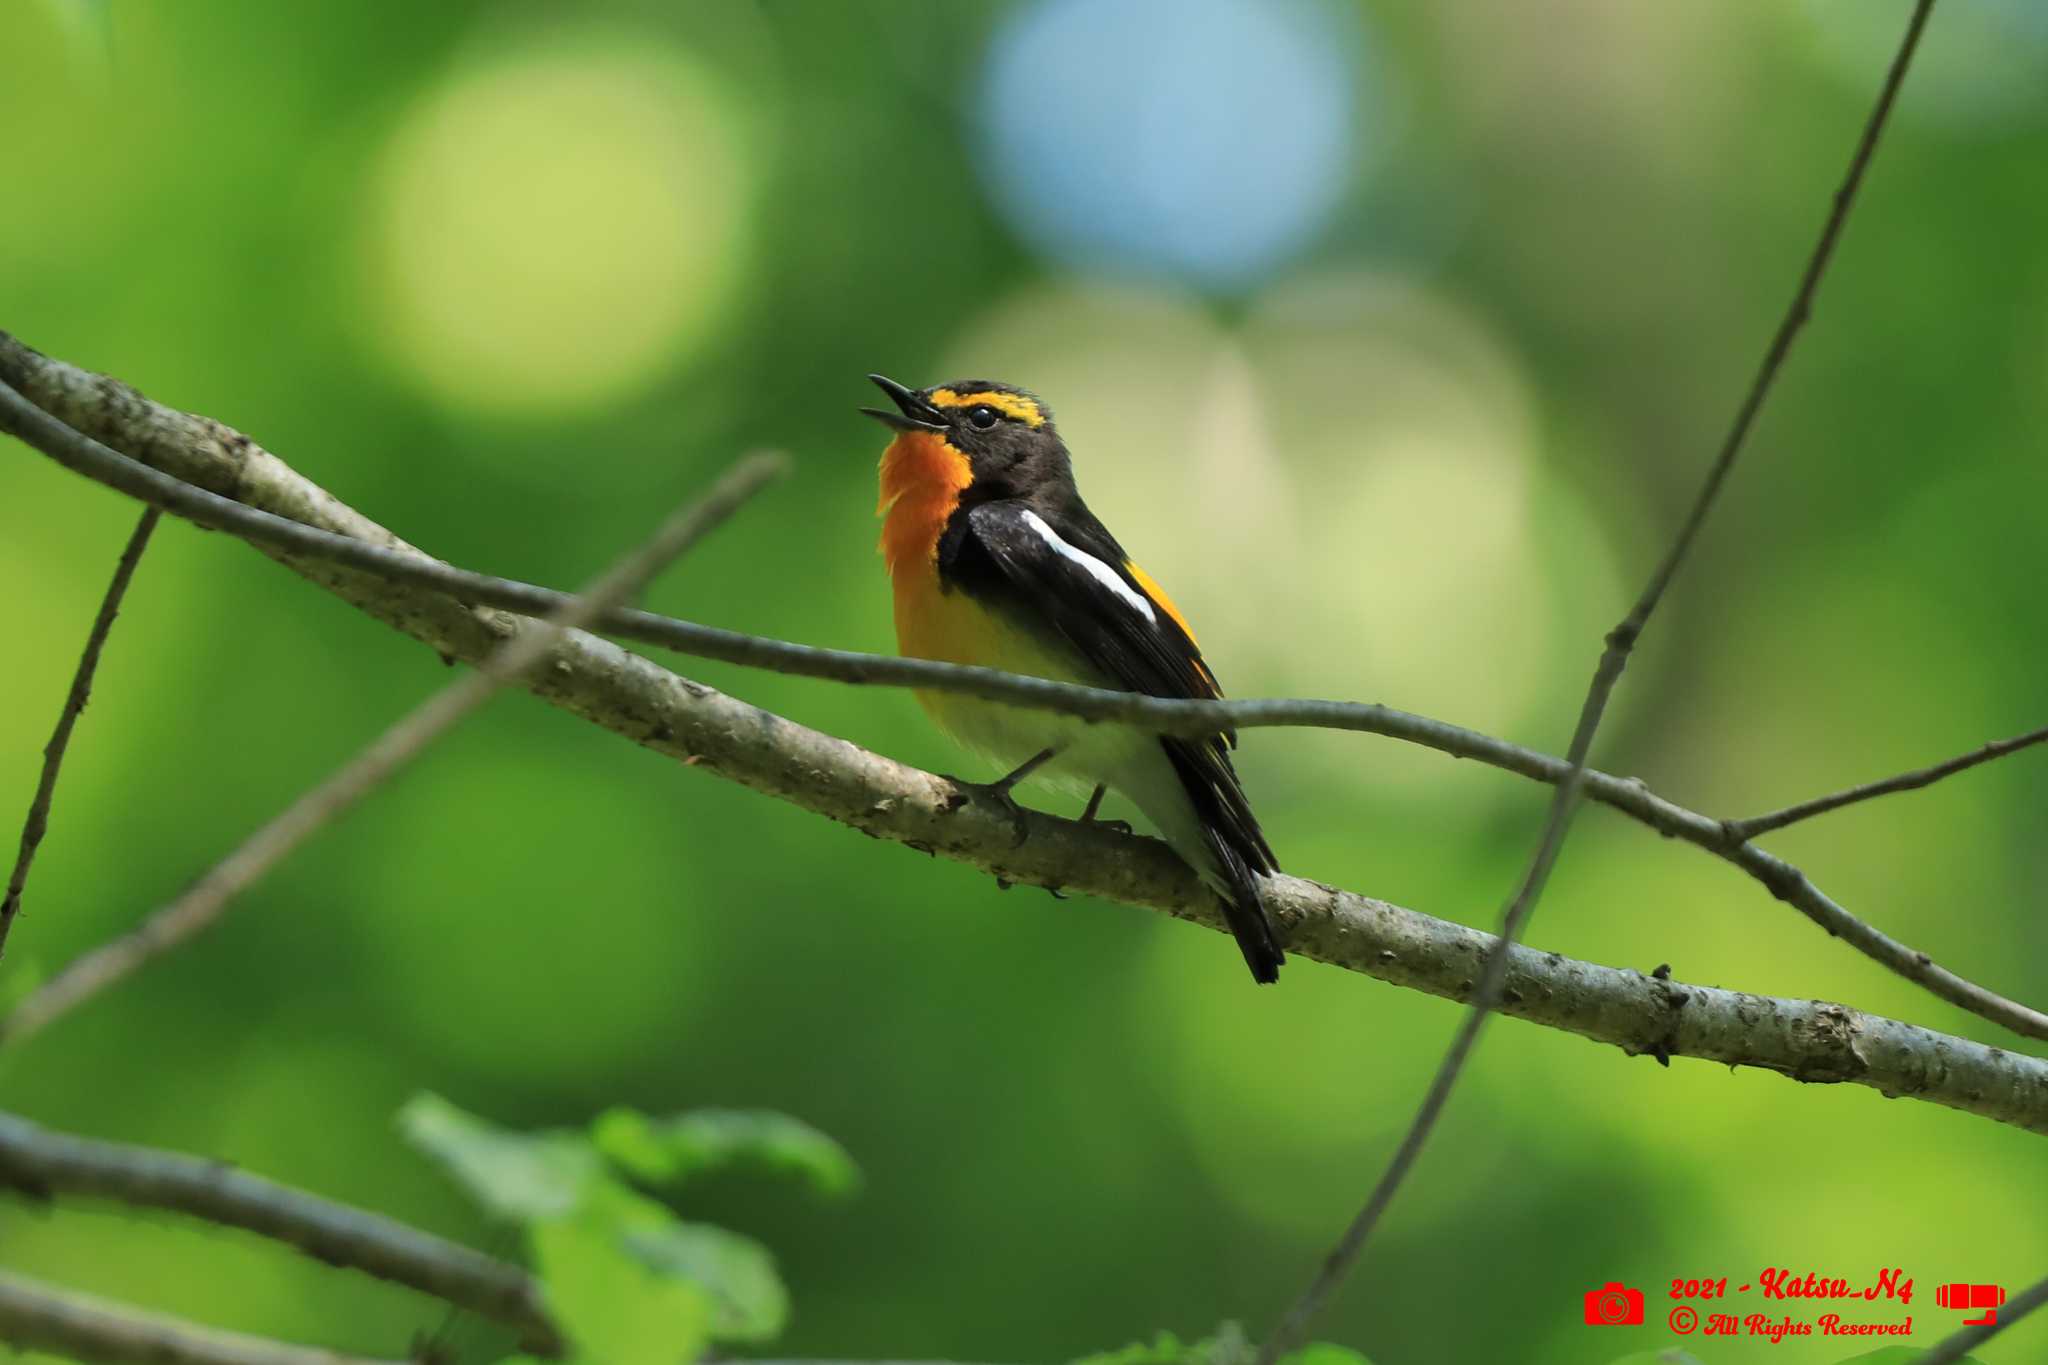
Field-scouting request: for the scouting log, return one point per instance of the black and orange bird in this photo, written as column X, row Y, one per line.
column 995, row 560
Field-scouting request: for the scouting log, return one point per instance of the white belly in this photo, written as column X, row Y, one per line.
column 934, row 624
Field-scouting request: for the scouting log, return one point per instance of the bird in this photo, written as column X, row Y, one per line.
column 994, row 559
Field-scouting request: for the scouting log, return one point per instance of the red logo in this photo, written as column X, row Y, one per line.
column 1963, row 1296
column 1616, row 1305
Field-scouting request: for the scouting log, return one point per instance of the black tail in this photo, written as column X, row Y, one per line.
column 1233, row 835
column 1246, row 914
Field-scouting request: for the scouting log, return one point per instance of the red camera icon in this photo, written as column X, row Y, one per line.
column 1968, row 1296
column 1616, row 1305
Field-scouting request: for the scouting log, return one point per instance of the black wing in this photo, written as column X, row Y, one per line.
column 1074, row 577
column 1140, row 649
column 1085, row 592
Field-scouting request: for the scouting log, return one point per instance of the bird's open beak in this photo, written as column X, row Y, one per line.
column 913, row 414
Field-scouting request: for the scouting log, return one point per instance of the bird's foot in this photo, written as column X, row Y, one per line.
column 998, row 792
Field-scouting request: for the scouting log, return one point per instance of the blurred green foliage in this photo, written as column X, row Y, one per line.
column 625, row 1278
column 670, row 1151
column 1229, row 1346
column 507, row 276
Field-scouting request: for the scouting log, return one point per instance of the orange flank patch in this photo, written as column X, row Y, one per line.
column 951, row 627
column 1009, row 404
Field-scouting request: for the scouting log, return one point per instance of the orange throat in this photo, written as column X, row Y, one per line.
column 922, row 479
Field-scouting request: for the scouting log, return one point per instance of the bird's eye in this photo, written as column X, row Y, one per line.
column 982, row 415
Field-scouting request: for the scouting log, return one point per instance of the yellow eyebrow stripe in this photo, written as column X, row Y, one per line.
column 1008, row 404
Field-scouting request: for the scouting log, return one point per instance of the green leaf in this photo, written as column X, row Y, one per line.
column 523, row 1176
column 737, row 1273
column 615, row 1308
column 1899, row 1355
column 670, row 1152
column 1229, row 1346
column 1164, row 1349
column 1668, row 1355
column 1324, row 1353
column 626, row 1278
column 734, row 1275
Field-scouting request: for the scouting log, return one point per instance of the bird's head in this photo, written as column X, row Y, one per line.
column 1005, row 435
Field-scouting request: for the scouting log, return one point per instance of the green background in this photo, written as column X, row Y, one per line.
column 510, row 279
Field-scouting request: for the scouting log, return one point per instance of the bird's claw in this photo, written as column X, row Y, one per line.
column 1119, row 826
column 998, row 792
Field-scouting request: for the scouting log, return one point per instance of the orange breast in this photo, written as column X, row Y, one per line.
column 922, row 479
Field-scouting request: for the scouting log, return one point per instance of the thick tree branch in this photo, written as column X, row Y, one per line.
column 208, row 898
column 712, row 732
column 38, row 820
column 341, row 550
column 35, row 1317
column 41, row 1164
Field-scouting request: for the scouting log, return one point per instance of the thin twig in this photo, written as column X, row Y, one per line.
column 1958, row 1344
column 37, row 1317
column 1613, row 660
column 1742, row 831
column 41, row 1164
column 722, row 736
column 200, row 906
column 38, row 820
column 201, row 444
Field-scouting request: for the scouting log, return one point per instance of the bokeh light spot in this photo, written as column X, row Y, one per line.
column 1202, row 139
column 550, row 230
column 1431, row 541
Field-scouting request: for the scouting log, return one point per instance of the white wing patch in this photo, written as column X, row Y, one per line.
column 1102, row 572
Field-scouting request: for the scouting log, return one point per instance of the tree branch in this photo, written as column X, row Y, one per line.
column 714, row 733
column 35, row 1317
column 1742, row 831
column 40, row 1164
column 38, row 820
column 195, row 910
column 345, row 552
column 1614, row 657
